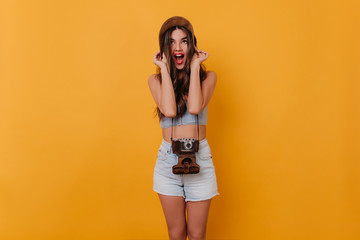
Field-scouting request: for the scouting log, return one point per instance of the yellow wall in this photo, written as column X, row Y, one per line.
column 78, row 140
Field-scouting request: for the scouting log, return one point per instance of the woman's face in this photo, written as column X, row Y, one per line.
column 179, row 47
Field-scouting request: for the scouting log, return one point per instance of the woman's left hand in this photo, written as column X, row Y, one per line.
column 199, row 57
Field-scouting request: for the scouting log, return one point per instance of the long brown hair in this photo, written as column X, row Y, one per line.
column 180, row 85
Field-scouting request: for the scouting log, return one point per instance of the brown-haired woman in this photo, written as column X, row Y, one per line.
column 182, row 89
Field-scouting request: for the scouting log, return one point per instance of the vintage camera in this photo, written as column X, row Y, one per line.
column 185, row 148
column 185, row 145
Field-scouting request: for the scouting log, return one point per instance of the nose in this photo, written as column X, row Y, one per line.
column 178, row 46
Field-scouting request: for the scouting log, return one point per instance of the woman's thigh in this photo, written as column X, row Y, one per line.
column 174, row 211
column 197, row 215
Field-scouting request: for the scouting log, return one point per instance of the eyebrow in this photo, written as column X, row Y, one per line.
column 181, row 39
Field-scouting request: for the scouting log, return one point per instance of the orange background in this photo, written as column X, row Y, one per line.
column 78, row 140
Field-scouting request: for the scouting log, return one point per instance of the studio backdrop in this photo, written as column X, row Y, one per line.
column 79, row 138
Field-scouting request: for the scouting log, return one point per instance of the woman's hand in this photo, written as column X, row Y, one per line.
column 199, row 57
column 160, row 62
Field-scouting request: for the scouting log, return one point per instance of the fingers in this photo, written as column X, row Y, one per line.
column 164, row 58
column 198, row 51
column 156, row 56
column 205, row 53
column 202, row 53
column 159, row 60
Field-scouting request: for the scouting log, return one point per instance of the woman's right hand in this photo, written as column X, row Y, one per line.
column 160, row 62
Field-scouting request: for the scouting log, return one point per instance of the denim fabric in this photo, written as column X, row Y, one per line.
column 193, row 187
column 186, row 119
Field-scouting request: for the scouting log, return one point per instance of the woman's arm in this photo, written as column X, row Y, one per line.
column 199, row 97
column 167, row 96
column 207, row 90
column 195, row 97
column 163, row 93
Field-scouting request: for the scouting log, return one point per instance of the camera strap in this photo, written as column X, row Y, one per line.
column 197, row 123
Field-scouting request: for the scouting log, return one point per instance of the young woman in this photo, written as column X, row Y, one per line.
column 182, row 89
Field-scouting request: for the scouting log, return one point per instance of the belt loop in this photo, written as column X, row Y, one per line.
column 170, row 148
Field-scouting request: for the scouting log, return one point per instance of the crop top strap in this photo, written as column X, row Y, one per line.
column 197, row 123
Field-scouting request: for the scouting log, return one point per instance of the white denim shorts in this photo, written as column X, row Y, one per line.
column 193, row 187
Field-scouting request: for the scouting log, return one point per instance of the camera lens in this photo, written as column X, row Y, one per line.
column 188, row 145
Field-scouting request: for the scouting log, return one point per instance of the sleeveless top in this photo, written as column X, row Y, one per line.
column 186, row 119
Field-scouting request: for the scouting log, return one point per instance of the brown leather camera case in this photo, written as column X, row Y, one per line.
column 186, row 164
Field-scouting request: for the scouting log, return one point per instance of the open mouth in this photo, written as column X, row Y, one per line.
column 179, row 58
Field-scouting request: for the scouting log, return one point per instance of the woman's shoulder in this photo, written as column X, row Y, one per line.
column 211, row 73
column 211, row 76
column 153, row 77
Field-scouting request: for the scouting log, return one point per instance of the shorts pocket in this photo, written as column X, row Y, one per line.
column 162, row 154
column 205, row 154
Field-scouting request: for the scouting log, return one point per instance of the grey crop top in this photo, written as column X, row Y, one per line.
column 186, row 119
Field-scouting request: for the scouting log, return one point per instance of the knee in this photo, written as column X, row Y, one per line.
column 196, row 234
column 177, row 234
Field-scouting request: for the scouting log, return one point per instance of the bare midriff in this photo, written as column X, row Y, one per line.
column 184, row 131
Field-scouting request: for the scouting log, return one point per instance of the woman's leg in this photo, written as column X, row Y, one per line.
column 174, row 210
column 197, row 215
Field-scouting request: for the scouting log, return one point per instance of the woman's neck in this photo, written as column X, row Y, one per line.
column 181, row 74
